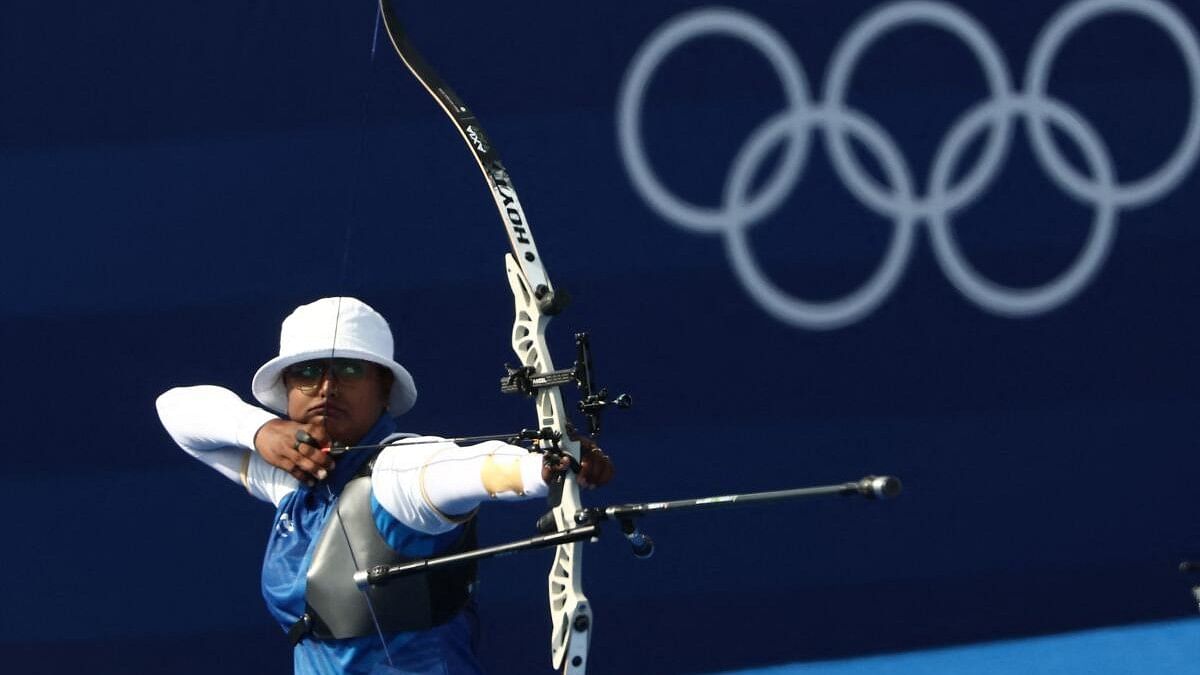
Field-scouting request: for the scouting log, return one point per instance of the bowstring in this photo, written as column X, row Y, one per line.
column 343, row 274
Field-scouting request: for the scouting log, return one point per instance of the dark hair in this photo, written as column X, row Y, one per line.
column 386, row 379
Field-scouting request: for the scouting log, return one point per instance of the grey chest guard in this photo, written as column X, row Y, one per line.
column 337, row 609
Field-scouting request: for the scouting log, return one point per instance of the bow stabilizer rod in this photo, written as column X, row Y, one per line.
column 871, row 487
column 589, row 521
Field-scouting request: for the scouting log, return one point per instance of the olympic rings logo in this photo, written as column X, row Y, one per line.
column 899, row 200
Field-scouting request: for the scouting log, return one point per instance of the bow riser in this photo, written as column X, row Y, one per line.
column 569, row 609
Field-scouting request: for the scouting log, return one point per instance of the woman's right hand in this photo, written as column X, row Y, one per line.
column 277, row 443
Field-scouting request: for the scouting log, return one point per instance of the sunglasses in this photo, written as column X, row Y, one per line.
column 308, row 375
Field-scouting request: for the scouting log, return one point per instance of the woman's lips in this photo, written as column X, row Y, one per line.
column 326, row 410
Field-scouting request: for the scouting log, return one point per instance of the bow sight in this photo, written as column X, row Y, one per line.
column 525, row 380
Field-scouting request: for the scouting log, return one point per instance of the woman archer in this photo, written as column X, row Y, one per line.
column 336, row 383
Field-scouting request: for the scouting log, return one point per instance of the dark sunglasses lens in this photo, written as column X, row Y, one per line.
column 306, row 372
column 350, row 369
column 307, row 376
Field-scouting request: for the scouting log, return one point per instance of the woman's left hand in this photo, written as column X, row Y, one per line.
column 595, row 467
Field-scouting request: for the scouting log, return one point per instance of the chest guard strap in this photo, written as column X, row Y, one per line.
column 336, row 607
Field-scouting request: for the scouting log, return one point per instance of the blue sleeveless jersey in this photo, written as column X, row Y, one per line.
column 299, row 521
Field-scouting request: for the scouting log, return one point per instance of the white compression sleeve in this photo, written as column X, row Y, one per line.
column 215, row 426
column 431, row 487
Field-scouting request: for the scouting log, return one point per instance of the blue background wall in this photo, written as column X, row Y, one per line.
column 175, row 177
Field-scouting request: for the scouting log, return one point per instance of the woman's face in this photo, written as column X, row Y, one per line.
column 343, row 396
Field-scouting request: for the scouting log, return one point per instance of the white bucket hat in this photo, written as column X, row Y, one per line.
column 333, row 328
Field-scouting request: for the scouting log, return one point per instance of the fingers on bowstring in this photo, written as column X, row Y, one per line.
column 314, row 462
column 288, row 463
column 311, row 441
column 310, row 462
column 313, row 434
column 315, row 454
